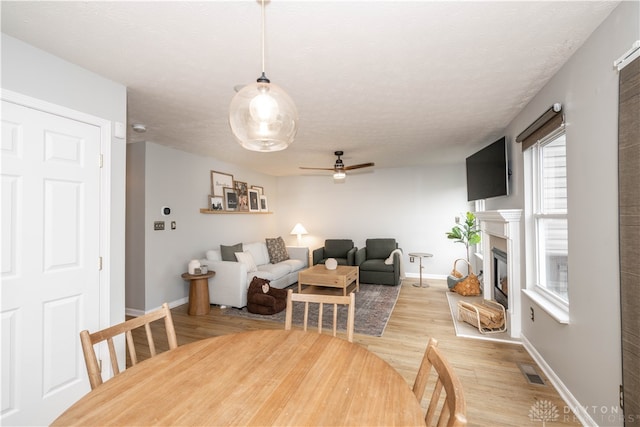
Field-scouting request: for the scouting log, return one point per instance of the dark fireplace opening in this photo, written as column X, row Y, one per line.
column 500, row 283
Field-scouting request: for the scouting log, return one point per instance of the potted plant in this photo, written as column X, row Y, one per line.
column 467, row 233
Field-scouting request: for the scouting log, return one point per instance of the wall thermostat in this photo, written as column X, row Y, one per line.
column 165, row 210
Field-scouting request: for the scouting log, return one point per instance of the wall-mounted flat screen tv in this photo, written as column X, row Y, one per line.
column 488, row 172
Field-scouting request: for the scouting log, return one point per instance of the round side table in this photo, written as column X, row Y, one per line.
column 420, row 255
column 198, row 292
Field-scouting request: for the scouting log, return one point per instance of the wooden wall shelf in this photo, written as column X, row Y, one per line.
column 209, row 211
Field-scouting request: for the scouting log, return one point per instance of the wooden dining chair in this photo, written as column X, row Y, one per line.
column 453, row 408
column 420, row 383
column 88, row 340
column 321, row 300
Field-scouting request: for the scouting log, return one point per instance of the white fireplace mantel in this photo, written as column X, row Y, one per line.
column 504, row 224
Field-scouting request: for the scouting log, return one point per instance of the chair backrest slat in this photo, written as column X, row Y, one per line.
column 152, row 345
column 113, row 357
column 335, row 300
column 320, row 317
column 420, row 383
column 335, row 318
column 131, row 347
column 453, row 409
column 88, row 341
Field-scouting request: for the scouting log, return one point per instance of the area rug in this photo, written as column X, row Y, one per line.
column 466, row 330
column 374, row 304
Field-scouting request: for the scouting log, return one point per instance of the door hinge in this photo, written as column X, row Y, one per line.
column 100, row 161
column 99, row 263
column 621, row 397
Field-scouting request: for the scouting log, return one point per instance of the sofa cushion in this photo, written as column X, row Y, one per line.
column 375, row 265
column 337, row 248
column 380, row 248
column 277, row 270
column 228, row 253
column 258, row 251
column 294, row 264
column 247, row 259
column 277, row 250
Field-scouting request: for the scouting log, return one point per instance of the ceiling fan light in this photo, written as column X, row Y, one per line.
column 339, row 175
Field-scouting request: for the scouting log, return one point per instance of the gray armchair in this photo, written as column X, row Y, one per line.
column 373, row 269
column 341, row 249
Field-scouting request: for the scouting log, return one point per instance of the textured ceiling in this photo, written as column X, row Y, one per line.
column 398, row 83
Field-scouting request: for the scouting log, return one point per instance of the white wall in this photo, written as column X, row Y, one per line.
column 585, row 355
column 416, row 206
column 38, row 74
column 182, row 182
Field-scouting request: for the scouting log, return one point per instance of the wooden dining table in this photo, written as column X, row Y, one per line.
column 266, row 377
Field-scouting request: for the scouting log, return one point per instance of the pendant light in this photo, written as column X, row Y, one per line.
column 262, row 116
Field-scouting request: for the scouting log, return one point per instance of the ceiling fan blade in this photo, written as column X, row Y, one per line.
column 317, row 169
column 362, row 165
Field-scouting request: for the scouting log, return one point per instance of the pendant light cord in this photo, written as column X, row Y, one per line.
column 263, row 37
column 263, row 78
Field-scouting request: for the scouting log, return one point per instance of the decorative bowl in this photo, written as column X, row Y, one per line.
column 331, row 264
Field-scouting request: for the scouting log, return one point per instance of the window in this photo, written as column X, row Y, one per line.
column 547, row 235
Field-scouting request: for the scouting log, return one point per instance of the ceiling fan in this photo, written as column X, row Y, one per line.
column 339, row 169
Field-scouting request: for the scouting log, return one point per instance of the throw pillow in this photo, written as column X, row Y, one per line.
column 277, row 250
column 228, row 253
column 247, row 259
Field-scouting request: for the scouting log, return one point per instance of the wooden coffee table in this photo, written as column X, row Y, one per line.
column 319, row 276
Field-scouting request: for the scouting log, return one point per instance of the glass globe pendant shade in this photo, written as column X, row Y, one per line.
column 263, row 117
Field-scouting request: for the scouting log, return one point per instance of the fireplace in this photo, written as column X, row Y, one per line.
column 500, row 277
column 501, row 262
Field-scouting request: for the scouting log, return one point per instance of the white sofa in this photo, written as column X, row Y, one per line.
column 228, row 287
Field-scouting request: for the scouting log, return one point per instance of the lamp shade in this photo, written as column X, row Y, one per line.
column 299, row 229
column 263, row 117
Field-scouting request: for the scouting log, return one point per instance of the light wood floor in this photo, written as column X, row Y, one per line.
column 496, row 391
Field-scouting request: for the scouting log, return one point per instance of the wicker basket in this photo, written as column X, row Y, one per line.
column 468, row 285
column 488, row 316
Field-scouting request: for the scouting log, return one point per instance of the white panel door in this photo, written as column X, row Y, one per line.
column 50, row 260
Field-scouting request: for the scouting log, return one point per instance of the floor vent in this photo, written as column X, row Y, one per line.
column 531, row 374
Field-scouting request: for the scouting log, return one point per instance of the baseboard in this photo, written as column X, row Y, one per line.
column 134, row 312
column 572, row 403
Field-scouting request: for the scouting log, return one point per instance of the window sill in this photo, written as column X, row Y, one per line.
column 557, row 313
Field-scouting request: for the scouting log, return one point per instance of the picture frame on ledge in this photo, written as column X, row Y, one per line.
column 230, row 199
column 259, row 188
column 216, row 203
column 220, row 180
column 264, row 207
column 241, row 189
column 254, row 200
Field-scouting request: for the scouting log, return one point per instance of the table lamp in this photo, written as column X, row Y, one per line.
column 299, row 230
